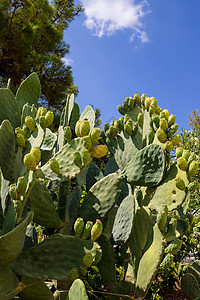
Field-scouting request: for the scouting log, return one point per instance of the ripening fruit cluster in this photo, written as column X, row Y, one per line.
column 16, row 190
column 32, row 159
column 187, row 161
column 88, row 230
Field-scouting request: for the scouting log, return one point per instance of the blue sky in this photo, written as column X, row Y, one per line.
column 121, row 47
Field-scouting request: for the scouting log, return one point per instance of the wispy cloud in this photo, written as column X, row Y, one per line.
column 67, row 61
column 106, row 17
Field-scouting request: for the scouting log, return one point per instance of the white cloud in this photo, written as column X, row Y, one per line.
column 67, row 61
column 105, row 17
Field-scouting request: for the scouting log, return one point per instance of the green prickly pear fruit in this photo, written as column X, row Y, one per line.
column 20, row 140
column 161, row 220
column 21, row 186
column 171, row 227
column 171, row 120
column 41, row 112
column 121, row 119
column 83, row 270
column 193, row 168
column 42, row 122
column 168, row 146
column 78, row 227
column 99, row 151
column 147, row 102
column 166, row 113
column 96, row 230
column 129, row 121
column 128, row 129
column 113, row 130
column 87, row 230
column 106, row 126
column 182, row 163
column 167, row 261
column 26, row 131
column 140, row 119
column 117, row 125
column 87, row 142
column 30, row 123
column 95, row 134
column 35, row 151
column 139, row 197
column 13, row 191
column 172, row 130
column 186, row 154
column 85, row 156
column 98, row 256
column 67, row 134
column 154, row 101
column 49, row 118
column 174, row 246
column 151, row 135
column 29, row 162
column 192, row 158
column 176, row 139
column 73, row 274
column 121, row 110
column 193, row 186
column 21, row 131
column 143, row 98
column 125, row 105
column 135, row 129
column 39, row 173
column 131, row 103
column 165, row 208
column 179, row 152
column 180, row 184
column 87, row 260
column 163, row 124
column 78, row 160
column 152, row 110
column 84, row 128
column 163, row 115
column 137, row 98
column 156, row 121
column 161, row 135
column 54, row 166
column 77, row 128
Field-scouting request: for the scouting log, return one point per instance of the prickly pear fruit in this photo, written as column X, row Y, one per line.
column 77, row 128
column 39, row 173
column 30, row 123
column 180, row 184
column 135, row 129
column 165, row 208
column 87, row 230
column 171, row 120
column 128, row 129
column 96, row 230
column 193, row 168
column 172, row 130
column 78, row 227
column 21, row 186
column 82, row 270
column 143, row 98
column 78, row 160
column 176, row 139
column 163, row 124
column 152, row 110
column 113, row 131
column 116, row 125
column 139, row 197
column 67, row 134
column 161, row 220
column 191, row 158
column 186, row 154
column 95, row 135
column 151, row 135
column 167, row 261
column 41, row 112
column 179, row 152
column 98, row 256
column 42, row 122
column 147, row 102
column 174, row 246
column 84, row 128
column 54, row 165
column 168, row 146
column 20, row 140
column 161, row 135
column 163, row 115
column 166, row 113
column 171, row 226
column 182, row 163
column 29, row 162
column 49, row 118
column 121, row 110
column 87, row 260
column 26, row 131
column 13, row 191
column 73, row 274
column 106, row 126
column 154, row 101
column 85, row 156
column 156, row 121
column 137, row 98
column 99, row 151
column 21, row 131
column 87, row 142
column 193, row 186
column 131, row 103
column 35, row 151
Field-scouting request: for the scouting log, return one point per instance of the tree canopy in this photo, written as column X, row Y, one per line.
column 31, row 39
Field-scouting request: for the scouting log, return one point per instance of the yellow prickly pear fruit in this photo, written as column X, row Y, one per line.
column 85, row 156
column 137, row 98
column 168, row 146
column 147, row 102
column 161, row 220
column 128, row 129
column 78, row 159
column 77, row 128
column 96, row 230
column 161, row 135
column 163, row 124
column 179, row 152
column 67, row 134
column 182, row 163
column 13, row 191
column 87, row 260
column 140, row 119
column 95, row 135
column 29, row 162
column 176, row 139
column 73, row 274
column 21, row 186
column 49, row 118
column 186, row 154
column 42, row 122
column 20, row 140
column 78, row 227
column 171, row 120
column 166, row 113
column 84, row 128
column 193, row 168
column 30, row 123
column 87, row 230
column 87, row 142
column 54, row 166
column 154, row 101
column 35, row 151
column 99, row 151
column 180, row 184
column 191, row 158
